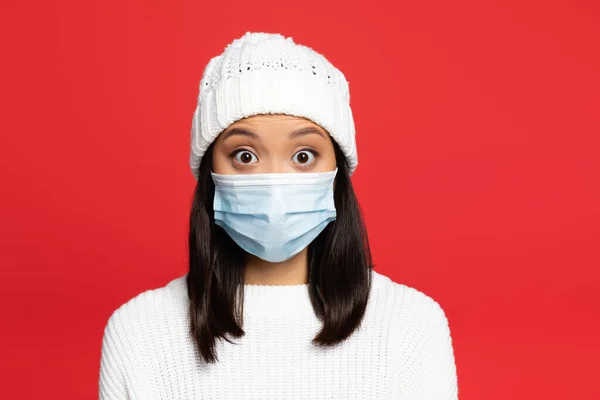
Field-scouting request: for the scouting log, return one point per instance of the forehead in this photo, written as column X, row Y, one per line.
column 274, row 122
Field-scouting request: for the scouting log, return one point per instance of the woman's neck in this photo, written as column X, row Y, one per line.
column 290, row 272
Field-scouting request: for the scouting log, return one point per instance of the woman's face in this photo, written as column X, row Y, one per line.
column 273, row 143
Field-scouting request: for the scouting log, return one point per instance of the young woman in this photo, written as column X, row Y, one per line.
column 281, row 300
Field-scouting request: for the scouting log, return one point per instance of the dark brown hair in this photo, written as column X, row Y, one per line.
column 339, row 263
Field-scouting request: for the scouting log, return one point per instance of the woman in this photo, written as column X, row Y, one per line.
column 280, row 301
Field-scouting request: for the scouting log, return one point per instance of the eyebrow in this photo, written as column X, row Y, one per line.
column 306, row 131
column 242, row 132
column 294, row 134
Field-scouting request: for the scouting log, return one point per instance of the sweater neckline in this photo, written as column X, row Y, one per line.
column 277, row 300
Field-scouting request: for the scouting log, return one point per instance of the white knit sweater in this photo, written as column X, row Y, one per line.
column 403, row 349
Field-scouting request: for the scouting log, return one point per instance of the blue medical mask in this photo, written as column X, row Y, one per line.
column 274, row 216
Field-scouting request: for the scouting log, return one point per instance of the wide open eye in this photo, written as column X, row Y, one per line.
column 304, row 157
column 245, row 157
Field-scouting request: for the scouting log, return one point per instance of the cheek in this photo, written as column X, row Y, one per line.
column 329, row 159
column 220, row 161
column 332, row 163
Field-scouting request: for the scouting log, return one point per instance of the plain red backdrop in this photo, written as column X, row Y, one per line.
column 478, row 134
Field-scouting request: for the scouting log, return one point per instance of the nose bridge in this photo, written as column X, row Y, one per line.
column 278, row 165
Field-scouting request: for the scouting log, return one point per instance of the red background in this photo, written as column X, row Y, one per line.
column 478, row 134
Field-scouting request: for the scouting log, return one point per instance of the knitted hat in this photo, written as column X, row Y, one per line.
column 265, row 73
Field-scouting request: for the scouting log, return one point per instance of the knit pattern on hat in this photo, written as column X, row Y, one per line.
column 266, row 73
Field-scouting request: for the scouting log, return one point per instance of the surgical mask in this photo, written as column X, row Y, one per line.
column 274, row 216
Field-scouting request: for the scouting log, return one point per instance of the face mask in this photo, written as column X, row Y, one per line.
column 274, row 216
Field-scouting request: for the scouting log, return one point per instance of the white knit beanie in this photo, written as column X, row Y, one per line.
column 266, row 73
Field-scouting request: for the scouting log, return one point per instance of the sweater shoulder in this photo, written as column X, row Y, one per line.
column 136, row 334
column 150, row 307
column 420, row 345
column 407, row 302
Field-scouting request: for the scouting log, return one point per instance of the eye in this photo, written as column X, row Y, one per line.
column 245, row 157
column 304, row 157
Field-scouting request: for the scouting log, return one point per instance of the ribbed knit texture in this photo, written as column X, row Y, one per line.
column 403, row 349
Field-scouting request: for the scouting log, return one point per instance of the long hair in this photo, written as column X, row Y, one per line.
column 339, row 265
